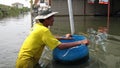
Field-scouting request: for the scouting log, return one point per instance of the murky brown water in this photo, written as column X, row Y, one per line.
column 12, row 33
column 14, row 30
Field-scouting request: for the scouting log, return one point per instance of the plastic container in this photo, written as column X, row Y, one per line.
column 75, row 54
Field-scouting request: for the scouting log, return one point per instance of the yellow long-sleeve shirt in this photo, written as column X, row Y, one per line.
column 35, row 42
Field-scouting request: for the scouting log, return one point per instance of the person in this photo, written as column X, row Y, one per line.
column 39, row 37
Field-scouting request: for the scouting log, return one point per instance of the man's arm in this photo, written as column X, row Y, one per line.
column 67, row 37
column 72, row 44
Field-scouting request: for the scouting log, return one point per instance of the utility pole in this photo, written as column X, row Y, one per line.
column 71, row 16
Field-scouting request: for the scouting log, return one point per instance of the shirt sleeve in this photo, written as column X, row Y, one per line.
column 50, row 40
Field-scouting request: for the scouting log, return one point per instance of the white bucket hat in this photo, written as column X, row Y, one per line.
column 43, row 14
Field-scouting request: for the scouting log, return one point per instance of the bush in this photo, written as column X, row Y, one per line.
column 1, row 14
column 11, row 11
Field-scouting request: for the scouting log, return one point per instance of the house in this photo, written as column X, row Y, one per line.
column 18, row 5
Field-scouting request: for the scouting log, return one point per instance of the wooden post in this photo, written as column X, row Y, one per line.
column 84, row 7
column 31, row 3
column 49, row 2
column 108, row 15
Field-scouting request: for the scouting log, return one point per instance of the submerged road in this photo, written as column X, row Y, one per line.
column 13, row 31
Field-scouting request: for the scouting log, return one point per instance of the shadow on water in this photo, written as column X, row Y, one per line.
column 54, row 64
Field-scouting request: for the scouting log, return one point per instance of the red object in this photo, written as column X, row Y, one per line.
column 103, row 1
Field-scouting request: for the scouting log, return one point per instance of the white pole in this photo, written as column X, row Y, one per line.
column 71, row 16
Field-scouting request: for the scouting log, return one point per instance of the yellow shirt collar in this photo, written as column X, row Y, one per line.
column 39, row 23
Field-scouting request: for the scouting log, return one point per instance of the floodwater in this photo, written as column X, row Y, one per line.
column 13, row 31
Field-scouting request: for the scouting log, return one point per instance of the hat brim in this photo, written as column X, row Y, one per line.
column 45, row 16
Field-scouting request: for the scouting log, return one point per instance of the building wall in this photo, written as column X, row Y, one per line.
column 115, row 6
column 78, row 7
column 98, row 9
column 18, row 5
column 60, row 6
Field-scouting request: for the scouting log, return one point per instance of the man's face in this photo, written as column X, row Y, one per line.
column 49, row 21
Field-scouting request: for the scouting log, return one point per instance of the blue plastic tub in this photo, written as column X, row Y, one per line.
column 71, row 54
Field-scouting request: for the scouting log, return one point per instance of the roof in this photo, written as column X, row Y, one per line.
column 17, row 3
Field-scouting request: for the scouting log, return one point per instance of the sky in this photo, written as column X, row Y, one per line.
column 9, row 2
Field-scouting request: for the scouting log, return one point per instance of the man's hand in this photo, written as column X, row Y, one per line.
column 85, row 41
column 68, row 36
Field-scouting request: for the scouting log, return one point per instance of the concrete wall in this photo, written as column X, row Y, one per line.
column 60, row 6
column 115, row 6
column 78, row 7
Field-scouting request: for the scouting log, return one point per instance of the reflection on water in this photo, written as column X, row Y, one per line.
column 104, row 47
column 14, row 30
column 98, row 38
